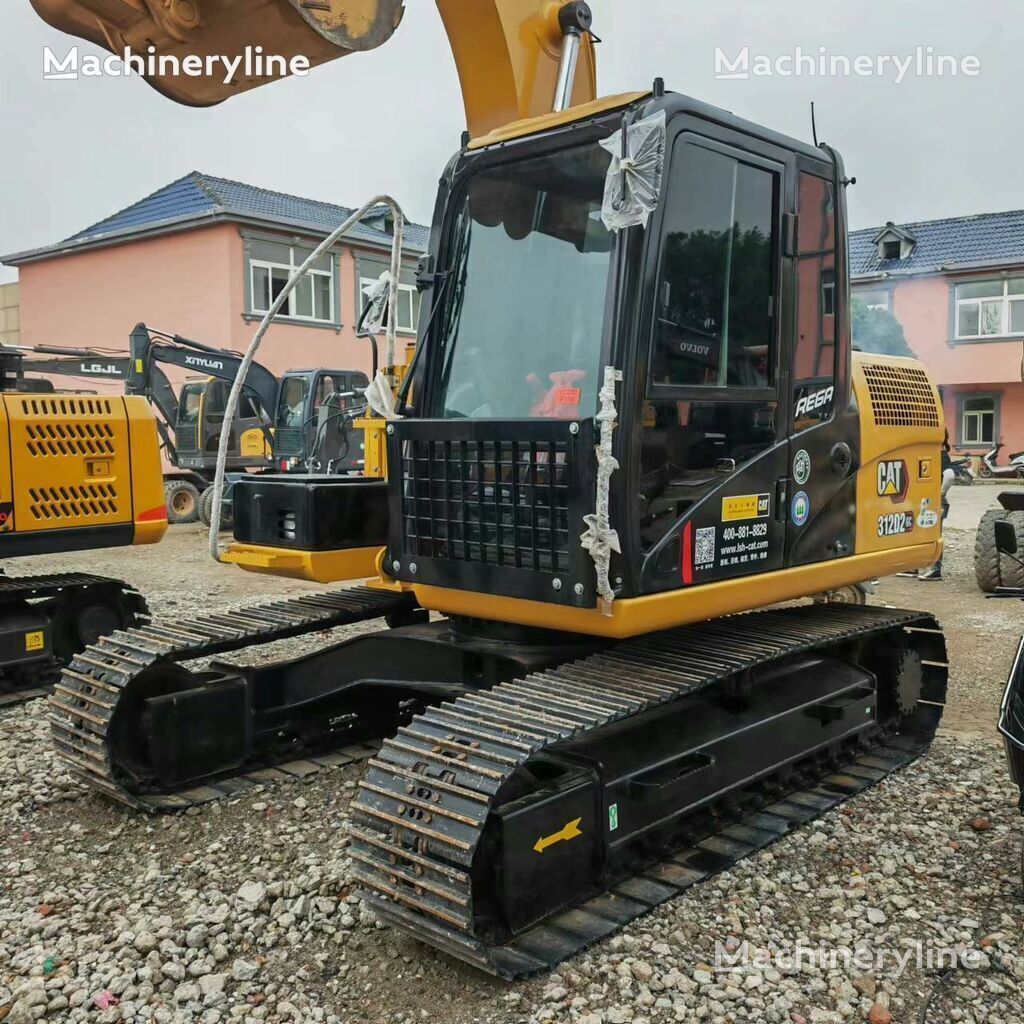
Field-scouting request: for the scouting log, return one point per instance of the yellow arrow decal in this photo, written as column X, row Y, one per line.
column 571, row 831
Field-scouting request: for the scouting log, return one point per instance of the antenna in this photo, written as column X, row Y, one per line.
column 814, row 125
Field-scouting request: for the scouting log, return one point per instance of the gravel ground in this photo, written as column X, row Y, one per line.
column 243, row 911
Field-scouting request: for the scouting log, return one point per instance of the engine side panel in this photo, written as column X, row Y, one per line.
column 899, row 500
column 81, row 471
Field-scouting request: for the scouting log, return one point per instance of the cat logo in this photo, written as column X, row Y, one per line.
column 746, row 506
column 893, row 480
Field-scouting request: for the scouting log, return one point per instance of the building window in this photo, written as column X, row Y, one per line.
column 873, row 298
column 990, row 309
column 978, row 420
column 891, row 250
column 408, row 305
column 828, row 293
column 271, row 264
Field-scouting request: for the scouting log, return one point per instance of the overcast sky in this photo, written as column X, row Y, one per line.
column 73, row 152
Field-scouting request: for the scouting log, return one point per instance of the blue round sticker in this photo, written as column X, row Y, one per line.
column 801, row 509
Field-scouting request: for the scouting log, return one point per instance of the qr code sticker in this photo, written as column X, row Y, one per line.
column 704, row 549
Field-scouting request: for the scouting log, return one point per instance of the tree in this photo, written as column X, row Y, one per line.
column 878, row 331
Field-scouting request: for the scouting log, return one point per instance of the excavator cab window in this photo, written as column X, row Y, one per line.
column 814, row 361
column 215, row 404
column 712, row 401
column 714, row 303
column 528, row 228
column 191, row 403
column 291, row 406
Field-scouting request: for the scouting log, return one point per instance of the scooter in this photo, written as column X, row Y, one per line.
column 962, row 472
column 988, row 469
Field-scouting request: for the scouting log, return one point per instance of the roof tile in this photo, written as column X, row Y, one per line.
column 992, row 238
column 197, row 196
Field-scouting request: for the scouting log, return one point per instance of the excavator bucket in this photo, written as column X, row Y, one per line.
column 507, row 51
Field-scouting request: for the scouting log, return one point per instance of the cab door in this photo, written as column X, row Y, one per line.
column 823, row 425
column 714, row 451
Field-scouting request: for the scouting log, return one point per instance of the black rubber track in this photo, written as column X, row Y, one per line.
column 420, row 813
column 97, row 680
column 25, row 685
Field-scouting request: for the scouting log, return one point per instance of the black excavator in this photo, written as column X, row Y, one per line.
column 633, row 423
column 300, row 421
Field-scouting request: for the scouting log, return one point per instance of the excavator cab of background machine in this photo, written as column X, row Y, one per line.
column 200, row 416
column 313, row 421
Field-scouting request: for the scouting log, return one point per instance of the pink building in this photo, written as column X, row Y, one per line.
column 204, row 258
column 957, row 288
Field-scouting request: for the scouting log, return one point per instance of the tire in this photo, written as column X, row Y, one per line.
column 206, row 506
column 182, row 500
column 985, row 471
column 856, row 594
column 82, row 618
column 991, row 569
column 206, row 511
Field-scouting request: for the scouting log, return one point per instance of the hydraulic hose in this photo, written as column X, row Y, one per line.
column 257, row 340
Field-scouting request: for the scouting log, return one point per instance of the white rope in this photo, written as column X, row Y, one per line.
column 250, row 354
column 600, row 539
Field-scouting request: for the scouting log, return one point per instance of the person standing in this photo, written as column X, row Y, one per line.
column 934, row 572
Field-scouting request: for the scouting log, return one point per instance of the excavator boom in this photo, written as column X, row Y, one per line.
column 508, row 52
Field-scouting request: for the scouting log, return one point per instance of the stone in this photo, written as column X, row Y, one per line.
column 244, row 970
column 252, row 893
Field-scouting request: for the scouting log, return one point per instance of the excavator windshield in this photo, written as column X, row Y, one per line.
column 530, row 262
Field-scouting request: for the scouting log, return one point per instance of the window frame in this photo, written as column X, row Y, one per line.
column 290, row 269
column 962, row 398
column 439, row 305
column 689, row 134
column 799, row 256
column 252, row 311
column 858, row 293
column 828, row 293
column 411, row 289
column 1004, row 298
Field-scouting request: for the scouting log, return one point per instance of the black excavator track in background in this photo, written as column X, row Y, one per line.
column 486, row 829
column 97, row 713
column 67, row 611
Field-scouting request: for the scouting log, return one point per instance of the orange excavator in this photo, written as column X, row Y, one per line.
column 632, row 423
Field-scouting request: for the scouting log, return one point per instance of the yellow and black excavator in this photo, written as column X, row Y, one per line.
column 633, row 422
column 77, row 472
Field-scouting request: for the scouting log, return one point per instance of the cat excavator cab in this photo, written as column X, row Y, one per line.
column 633, row 422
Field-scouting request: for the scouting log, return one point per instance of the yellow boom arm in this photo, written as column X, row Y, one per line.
column 507, row 52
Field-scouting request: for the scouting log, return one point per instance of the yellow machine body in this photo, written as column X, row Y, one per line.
column 315, row 566
column 78, row 472
column 253, row 444
column 881, row 386
column 899, row 475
